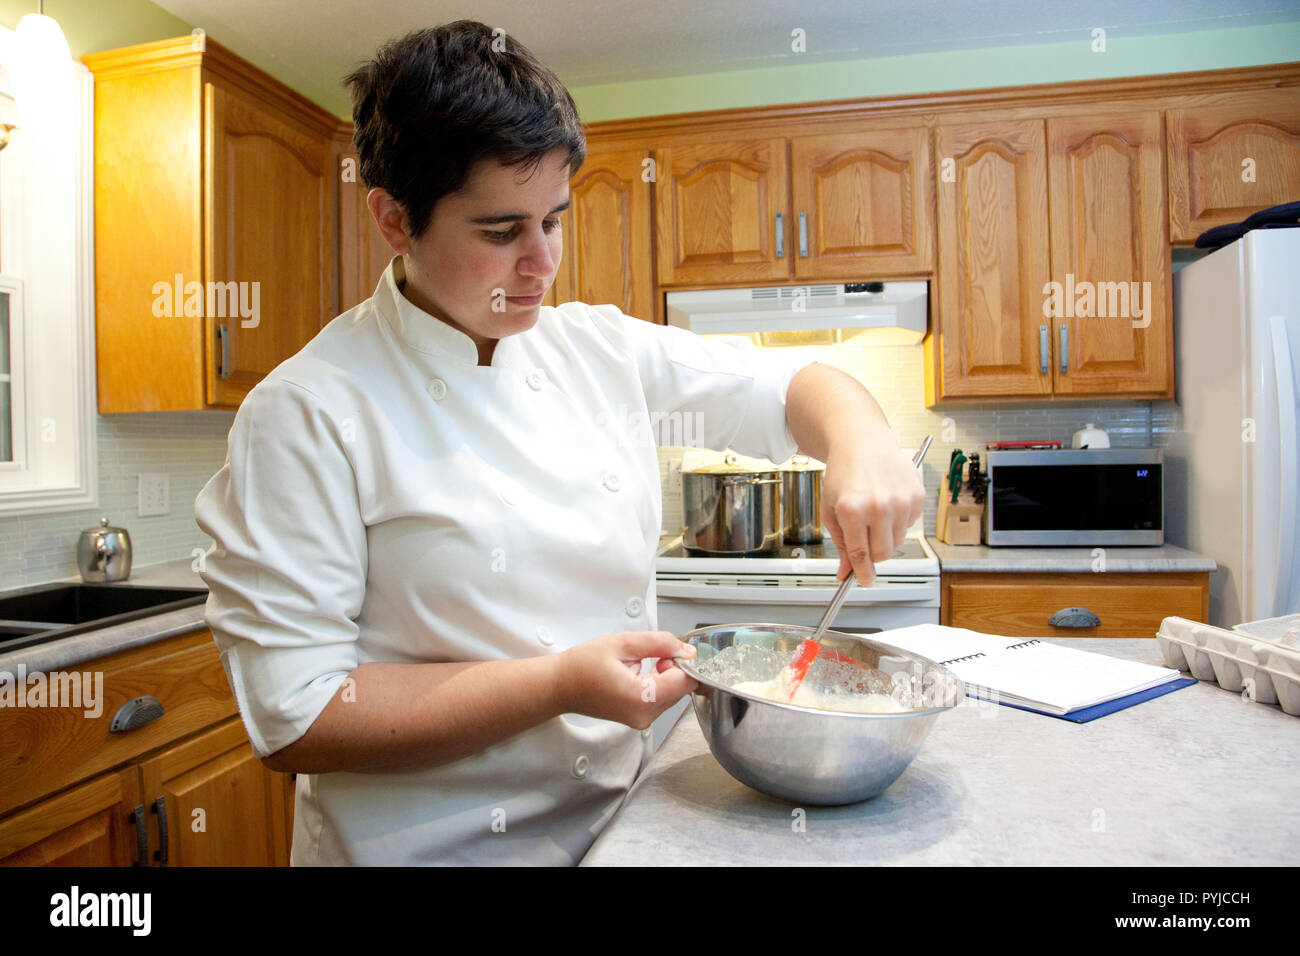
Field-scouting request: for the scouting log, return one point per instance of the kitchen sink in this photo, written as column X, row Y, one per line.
column 48, row 612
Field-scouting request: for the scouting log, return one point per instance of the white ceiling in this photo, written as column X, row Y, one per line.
column 312, row 44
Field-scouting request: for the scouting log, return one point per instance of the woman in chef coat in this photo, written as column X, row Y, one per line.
column 432, row 572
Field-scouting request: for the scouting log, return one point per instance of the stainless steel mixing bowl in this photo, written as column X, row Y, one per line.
column 808, row 755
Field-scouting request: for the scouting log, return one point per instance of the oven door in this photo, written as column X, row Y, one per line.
column 687, row 602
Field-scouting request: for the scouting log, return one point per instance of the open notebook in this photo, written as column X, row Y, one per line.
column 1033, row 674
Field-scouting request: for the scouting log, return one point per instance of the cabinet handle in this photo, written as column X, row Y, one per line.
column 803, row 234
column 1074, row 617
column 1042, row 349
column 141, row 836
column 160, row 808
column 1065, row 349
column 135, row 713
column 223, row 336
column 780, row 235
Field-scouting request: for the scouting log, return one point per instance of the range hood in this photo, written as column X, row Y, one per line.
column 853, row 314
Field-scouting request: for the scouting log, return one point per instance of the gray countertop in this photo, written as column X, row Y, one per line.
column 978, row 557
column 68, row 651
column 1199, row 776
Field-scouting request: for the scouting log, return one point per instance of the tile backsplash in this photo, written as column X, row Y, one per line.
column 188, row 447
column 895, row 378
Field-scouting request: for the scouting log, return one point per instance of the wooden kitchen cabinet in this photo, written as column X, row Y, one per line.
column 207, row 171
column 1021, row 605
column 71, row 790
column 821, row 206
column 364, row 253
column 607, row 253
column 89, row 825
column 863, row 204
column 1074, row 200
column 223, row 808
column 988, row 332
column 717, row 206
column 1108, row 208
column 1230, row 158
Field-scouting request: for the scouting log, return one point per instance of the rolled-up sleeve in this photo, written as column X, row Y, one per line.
column 287, row 569
column 716, row 394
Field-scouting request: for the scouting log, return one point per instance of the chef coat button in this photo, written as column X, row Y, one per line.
column 506, row 495
column 580, row 766
column 646, row 733
column 544, row 637
column 438, row 389
column 610, row 481
column 536, row 379
column 634, row 606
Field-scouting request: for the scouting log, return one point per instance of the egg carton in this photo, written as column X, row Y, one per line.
column 1258, row 668
column 1283, row 630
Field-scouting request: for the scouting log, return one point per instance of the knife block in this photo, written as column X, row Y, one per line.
column 960, row 523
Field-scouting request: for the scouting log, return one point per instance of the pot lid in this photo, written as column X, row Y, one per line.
column 802, row 463
column 105, row 528
column 728, row 466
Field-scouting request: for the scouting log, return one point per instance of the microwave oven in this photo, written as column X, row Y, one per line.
column 1075, row 497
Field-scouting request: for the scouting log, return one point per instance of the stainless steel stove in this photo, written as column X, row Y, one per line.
column 793, row 587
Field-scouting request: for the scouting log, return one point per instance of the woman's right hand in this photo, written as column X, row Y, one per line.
column 602, row 677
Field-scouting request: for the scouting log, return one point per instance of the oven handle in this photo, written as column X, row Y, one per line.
column 735, row 594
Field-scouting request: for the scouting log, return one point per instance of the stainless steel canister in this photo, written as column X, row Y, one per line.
column 801, row 501
column 104, row 553
column 729, row 510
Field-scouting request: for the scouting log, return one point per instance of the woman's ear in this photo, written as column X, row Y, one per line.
column 390, row 217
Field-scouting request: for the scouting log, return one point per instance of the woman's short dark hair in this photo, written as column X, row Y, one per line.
column 434, row 102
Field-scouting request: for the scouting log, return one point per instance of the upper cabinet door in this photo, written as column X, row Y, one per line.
column 606, row 230
column 717, row 209
column 364, row 253
column 1110, row 303
column 268, row 217
column 862, row 204
column 1232, row 159
column 993, row 262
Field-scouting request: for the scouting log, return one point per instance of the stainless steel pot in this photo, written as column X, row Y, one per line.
column 729, row 510
column 104, row 553
column 801, row 501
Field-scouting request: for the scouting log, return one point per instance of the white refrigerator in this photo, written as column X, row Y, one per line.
column 1231, row 476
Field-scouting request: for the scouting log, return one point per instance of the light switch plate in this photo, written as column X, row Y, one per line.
column 153, row 492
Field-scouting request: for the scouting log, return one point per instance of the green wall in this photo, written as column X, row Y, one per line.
column 92, row 25
column 955, row 70
column 104, row 24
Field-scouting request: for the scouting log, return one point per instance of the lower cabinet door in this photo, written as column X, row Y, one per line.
column 214, row 804
column 99, row 823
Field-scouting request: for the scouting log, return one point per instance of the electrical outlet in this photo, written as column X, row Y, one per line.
column 153, row 493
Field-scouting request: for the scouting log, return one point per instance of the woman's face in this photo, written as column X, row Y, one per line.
column 491, row 250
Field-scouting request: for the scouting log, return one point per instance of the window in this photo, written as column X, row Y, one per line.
column 47, row 291
column 12, row 418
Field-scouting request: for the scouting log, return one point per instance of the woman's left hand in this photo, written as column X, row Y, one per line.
column 870, row 497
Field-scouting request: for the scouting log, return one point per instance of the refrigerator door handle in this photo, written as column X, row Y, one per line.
column 1285, row 366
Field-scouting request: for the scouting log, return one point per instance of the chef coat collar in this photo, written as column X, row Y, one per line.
column 420, row 330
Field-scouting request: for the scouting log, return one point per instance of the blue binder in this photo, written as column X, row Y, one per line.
column 1110, row 706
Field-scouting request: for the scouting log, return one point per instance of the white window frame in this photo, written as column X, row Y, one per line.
column 49, row 260
column 13, row 287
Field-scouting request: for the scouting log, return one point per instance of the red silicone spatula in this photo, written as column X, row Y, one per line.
column 794, row 674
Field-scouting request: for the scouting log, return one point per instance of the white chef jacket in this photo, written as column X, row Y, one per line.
column 385, row 498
